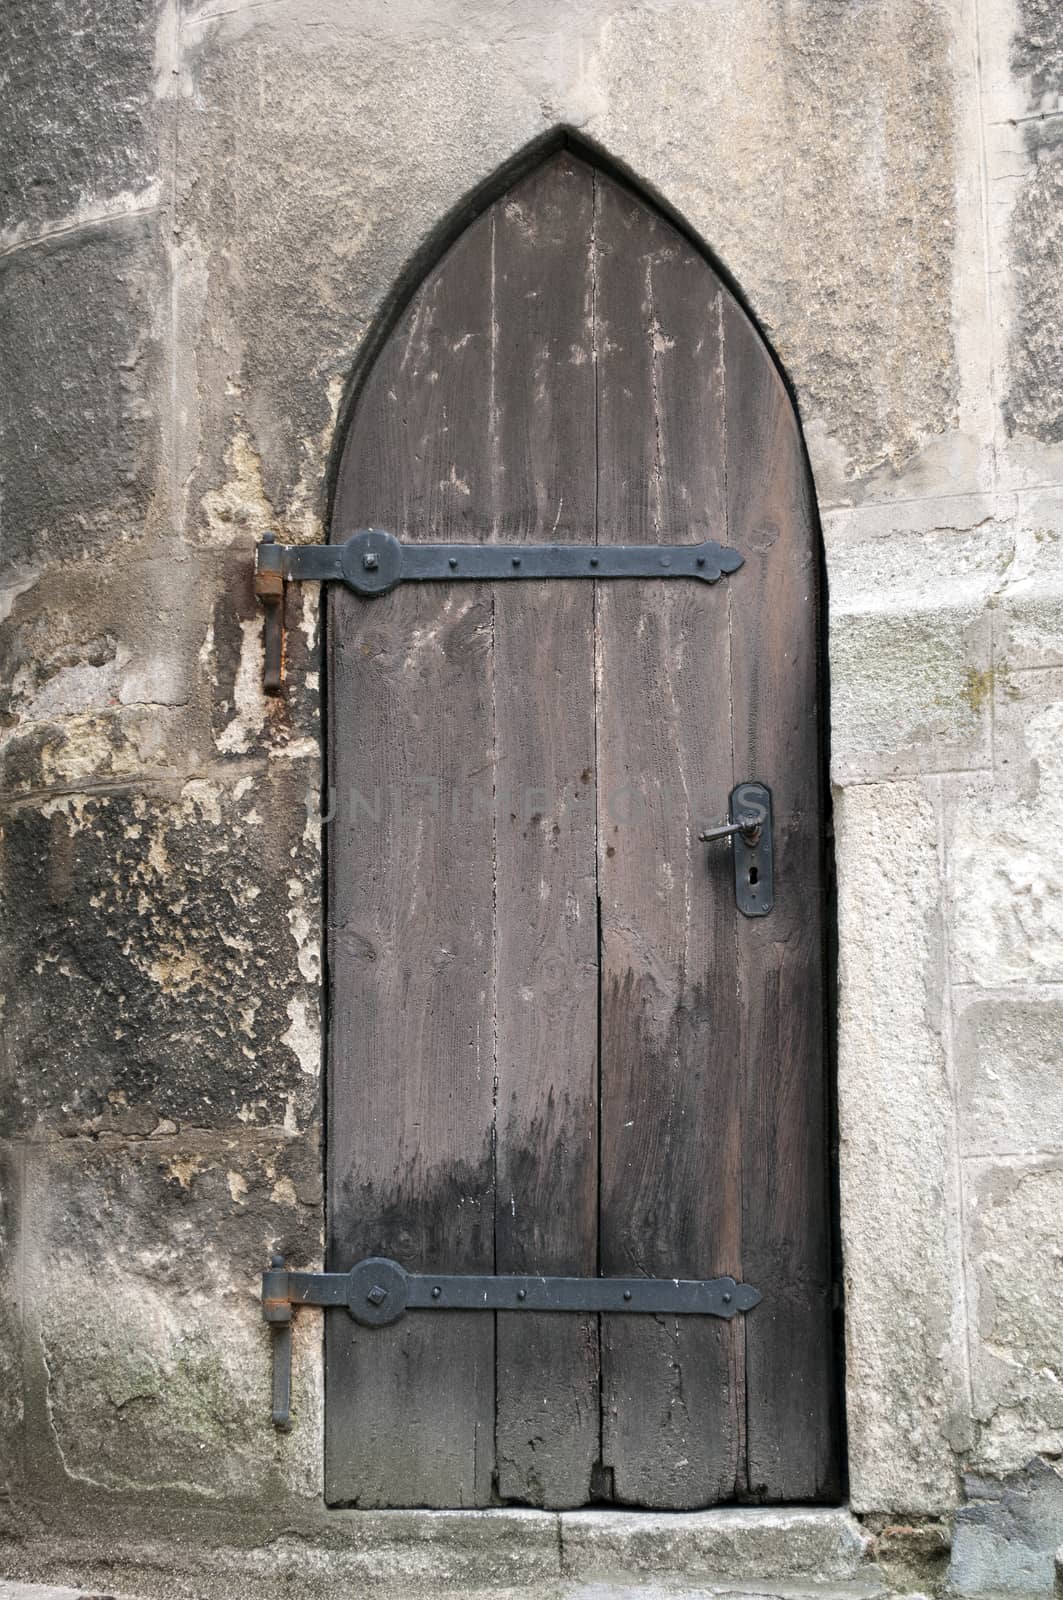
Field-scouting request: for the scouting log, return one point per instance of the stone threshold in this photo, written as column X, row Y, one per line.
column 562, row 1591
column 773, row 1553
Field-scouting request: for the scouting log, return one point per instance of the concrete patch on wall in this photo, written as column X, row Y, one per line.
column 1006, row 1537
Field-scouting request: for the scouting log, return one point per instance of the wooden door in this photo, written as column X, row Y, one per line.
column 555, row 1044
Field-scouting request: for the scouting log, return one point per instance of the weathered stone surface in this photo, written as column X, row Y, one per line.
column 39, row 1591
column 1015, row 1207
column 900, row 1227
column 912, row 668
column 1005, row 1538
column 275, row 313
column 161, row 958
column 1005, row 850
column 1037, row 51
column 153, row 671
column 1034, row 403
column 11, row 1407
column 1008, row 1051
column 77, row 114
column 153, row 1362
column 98, row 675
column 743, row 1545
column 79, row 422
column 1028, row 630
column 912, row 692
column 276, row 297
column 498, row 1554
column 858, row 103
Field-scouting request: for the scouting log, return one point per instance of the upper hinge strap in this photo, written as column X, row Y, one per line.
column 372, row 562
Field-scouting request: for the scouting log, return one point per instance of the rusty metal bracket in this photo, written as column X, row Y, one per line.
column 372, row 562
column 377, row 1292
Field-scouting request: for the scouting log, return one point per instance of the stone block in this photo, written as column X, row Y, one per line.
column 905, row 1393
column 1028, row 626
column 910, row 1555
column 1005, row 1537
column 1033, row 403
column 78, row 116
column 1007, row 1049
column 1005, row 844
column 1014, row 1209
column 40, row 1591
column 909, row 693
column 141, row 1266
column 911, row 590
column 501, row 1554
column 79, row 409
column 1037, row 52
column 161, row 958
column 736, row 1545
column 1023, row 52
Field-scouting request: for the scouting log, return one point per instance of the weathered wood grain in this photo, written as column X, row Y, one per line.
column 671, row 1188
column 781, row 1049
column 410, row 1410
column 546, row 1193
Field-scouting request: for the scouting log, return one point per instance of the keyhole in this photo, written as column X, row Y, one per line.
column 754, row 874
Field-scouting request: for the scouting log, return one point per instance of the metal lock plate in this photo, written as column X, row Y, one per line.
column 752, row 846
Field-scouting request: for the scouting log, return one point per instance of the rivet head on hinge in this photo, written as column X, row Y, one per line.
column 377, row 1292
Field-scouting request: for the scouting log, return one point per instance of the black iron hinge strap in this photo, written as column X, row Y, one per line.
column 378, row 1292
column 372, row 562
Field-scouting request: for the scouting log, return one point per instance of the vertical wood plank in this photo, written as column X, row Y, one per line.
column 792, row 1423
column 409, row 1418
column 547, row 1124
column 670, row 1187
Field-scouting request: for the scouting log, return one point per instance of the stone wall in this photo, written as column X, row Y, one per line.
column 205, row 208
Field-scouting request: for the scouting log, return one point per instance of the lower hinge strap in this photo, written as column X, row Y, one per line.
column 378, row 1292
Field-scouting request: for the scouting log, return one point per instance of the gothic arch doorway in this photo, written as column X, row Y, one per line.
column 558, row 1044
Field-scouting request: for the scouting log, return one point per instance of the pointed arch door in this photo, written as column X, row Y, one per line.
column 556, row 1046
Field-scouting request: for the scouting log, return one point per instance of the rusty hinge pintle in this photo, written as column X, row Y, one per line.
column 372, row 562
column 378, row 1291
